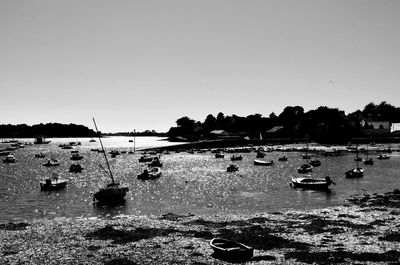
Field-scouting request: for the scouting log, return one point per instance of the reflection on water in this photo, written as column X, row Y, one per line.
column 196, row 183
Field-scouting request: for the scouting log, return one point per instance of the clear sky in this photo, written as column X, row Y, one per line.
column 144, row 64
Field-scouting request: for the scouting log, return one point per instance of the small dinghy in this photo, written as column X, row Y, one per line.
column 231, row 250
column 263, row 163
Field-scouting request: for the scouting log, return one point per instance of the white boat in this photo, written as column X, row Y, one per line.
column 312, row 183
column 263, row 163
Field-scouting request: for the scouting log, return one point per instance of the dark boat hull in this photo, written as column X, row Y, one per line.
column 110, row 194
column 53, row 185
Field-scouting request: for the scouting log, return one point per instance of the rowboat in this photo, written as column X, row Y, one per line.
column 230, row 249
column 263, row 163
column 312, row 183
column 152, row 173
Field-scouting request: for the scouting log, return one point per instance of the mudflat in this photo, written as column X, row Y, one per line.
column 365, row 230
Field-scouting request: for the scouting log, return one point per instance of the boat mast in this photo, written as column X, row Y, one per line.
column 104, row 152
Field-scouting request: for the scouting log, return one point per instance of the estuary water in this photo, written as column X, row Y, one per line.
column 190, row 183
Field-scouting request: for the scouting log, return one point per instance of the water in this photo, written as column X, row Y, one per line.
column 195, row 183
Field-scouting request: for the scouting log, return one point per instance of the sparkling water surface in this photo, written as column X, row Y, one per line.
column 190, row 183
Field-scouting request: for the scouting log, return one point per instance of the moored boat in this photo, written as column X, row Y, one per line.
column 305, row 168
column 53, row 183
column 9, row 159
column 75, row 168
column 283, row 158
column 152, row 173
column 263, row 163
column 357, row 172
column 368, row 161
column 155, row 162
column 144, row 159
column 315, row 162
column 236, row 158
column 113, row 192
column 219, row 155
column 230, row 249
column 52, row 163
column 76, row 156
column 383, row 156
column 312, row 183
column 232, row 168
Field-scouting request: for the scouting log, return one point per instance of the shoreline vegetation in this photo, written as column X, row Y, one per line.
column 365, row 229
column 375, row 123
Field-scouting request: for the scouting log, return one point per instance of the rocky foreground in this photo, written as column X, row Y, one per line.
column 364, row 231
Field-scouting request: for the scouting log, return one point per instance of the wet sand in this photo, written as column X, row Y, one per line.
column 366, row 230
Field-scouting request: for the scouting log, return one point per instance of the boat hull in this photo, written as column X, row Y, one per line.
column 263, row 163
column 53, row 185
column 111, row 194
column 310, row 184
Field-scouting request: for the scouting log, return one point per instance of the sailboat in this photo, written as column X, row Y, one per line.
column 356, row 172
column 113, row 192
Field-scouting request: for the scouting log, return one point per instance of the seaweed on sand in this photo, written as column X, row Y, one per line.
column 124, row 236
column 320, row 225
column 259, row 237
column 342, row 257
column 13, row 226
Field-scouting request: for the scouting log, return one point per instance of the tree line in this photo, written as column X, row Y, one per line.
column 47, row 130
column 323, row 125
